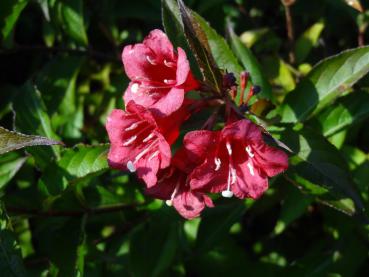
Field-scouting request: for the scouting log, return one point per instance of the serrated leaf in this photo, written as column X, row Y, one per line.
column 9, row 13
column 220, row 50
column 346, row 112
column 9, row 166
column 199, row 44
column 250, row 64
column 75, row 165
column 11, row 263
column 307, row 41
column 321, row 170
column 327, row 80
column 215, row 224
column 10, row 141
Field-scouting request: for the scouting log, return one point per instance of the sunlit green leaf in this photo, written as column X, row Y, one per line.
column 328, row 79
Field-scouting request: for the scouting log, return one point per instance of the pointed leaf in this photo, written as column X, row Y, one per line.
column 199, row 44
column 349, row 110
column 9, row 13
column 325, row 82
column 10, row 141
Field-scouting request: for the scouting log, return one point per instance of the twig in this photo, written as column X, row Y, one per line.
column 71, row 213
column 289, row 26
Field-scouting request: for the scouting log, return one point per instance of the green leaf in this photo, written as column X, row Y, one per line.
column 216, row 222
column 349, row 110
column 9, row 13
column 154, row 244
column 72, row 15
column 10, row 141
column 320, row 170
column 57, row 81
column 76, row 164
column 325, row 82
column 31, row 117
column 250, row 63
column 293, row 207
column 199, row 44
column 222, row 54
column 11, row 263
column 172, row 22
column 63, row 241
column 9, row 166
column 307, row 41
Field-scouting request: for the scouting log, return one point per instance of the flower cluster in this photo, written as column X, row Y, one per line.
column 232, row 161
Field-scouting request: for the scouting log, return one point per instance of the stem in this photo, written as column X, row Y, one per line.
column 289, row 27
column 71, row 213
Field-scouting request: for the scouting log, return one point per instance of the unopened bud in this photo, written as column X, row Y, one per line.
column 229, row 80
column 256, row 90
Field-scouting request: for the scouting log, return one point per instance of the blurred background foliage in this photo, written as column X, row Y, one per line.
column 64, row 213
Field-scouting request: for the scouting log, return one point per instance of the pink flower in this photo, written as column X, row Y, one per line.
column 159, row 75
column 137, row 143
column 236, row 160
column 173, row 187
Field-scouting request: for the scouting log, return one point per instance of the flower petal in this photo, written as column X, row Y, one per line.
column 271, row 160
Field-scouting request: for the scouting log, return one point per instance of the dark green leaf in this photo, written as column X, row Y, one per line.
column 321, row 171
column 76, row 164
column 154, row 244
column 349, row 110
column 72, row 14
column 325, row 82
column 9, row 13
column 222, row 54
column 250, row 64
column 9, row 166
column 31, row 118
column 199, row 44
column 307, row 41
column 216, row 222
column 63, row 241
column 10, row 141
column 11, row 263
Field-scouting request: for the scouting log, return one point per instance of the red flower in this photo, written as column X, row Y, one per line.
column 237, row 160
column 159, row 76
column 137, row 143
column 173, row 187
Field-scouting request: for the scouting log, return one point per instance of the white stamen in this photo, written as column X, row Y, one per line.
column 174, row 192
column 169, row 82
column 140, row 155
column 131, row 167
column 218, row 162
column 131, row 51
column 169, row 203
column 233, row 176
column 168, row 64
column 251, row 168
column 135, row 87
column 154, row 155
column 131, row 127
column 227, row 193
column 229, row 148
column 148, row 137
column 129, row 141
column 249, row 151
column 150, row 60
